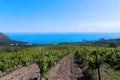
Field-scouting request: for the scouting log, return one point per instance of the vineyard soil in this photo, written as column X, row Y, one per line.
column 24, row 73
column 66, row 69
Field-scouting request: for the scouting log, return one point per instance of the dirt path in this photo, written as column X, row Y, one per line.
column 66, row 69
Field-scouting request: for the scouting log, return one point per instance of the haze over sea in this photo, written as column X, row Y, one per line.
column 54, row 38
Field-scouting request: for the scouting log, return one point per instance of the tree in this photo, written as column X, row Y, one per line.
column 113, row 44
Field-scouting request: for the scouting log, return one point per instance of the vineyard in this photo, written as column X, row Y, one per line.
column 43, row 56
column 110, row 56
column 46, row 56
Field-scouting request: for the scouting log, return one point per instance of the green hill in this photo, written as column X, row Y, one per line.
column 103, row 42
column 5, row 40
column 100, row 42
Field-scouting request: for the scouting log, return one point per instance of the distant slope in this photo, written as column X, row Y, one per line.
column 100, row 42
column 5, row 40
column 103, row 42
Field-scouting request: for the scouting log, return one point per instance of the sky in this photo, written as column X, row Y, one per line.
column 43, row 16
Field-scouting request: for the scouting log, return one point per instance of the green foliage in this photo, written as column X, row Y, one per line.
column 110, row 56
column 44, row 56
column 113, row 44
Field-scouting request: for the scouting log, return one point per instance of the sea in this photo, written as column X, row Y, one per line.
column 55, row 38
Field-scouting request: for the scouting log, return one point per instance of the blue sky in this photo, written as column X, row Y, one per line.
column 59, row 16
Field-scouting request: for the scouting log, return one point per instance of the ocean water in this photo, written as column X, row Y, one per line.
column 54, row 38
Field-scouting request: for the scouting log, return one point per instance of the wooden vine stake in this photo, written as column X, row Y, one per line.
column 97, row 65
